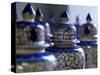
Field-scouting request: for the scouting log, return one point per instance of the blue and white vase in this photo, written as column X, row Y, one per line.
column 30, row 45
column 88, row 42
column 68, row 54
column 39, row 20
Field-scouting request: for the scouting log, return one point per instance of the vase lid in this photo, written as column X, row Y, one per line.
column 39, row 13
column 29, row 9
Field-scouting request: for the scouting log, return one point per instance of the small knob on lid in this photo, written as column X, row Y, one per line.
column 28, row 13
column 88, row 18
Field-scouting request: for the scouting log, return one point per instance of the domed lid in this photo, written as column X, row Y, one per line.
column 34, row 40
column 29, row 9
column 88, row 18
column 39, row 12
column 89, row 31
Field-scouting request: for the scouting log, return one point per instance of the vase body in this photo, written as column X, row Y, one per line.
column 69, row 58
column 35, row 62
column 88, row 41
column 90, row 49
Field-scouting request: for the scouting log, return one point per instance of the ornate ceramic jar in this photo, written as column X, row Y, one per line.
column 88, row 42
column 30, row 45
column 39, row 20
column 68, row 54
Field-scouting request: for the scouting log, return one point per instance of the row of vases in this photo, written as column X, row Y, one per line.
column 63, row 50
